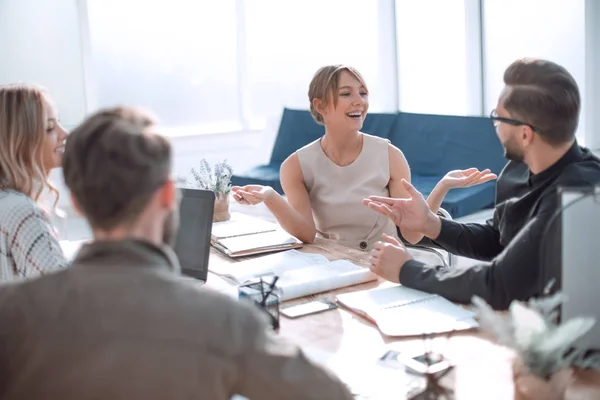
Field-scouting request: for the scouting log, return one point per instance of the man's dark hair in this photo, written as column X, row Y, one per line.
column 544, row 95
column 113, row 164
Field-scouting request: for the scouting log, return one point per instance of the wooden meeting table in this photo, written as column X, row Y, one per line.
column 352, row 346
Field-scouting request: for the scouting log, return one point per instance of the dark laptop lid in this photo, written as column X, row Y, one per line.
column 192, row 245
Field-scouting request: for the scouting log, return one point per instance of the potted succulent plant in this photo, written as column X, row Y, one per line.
column 545, row 351
column 217, row 179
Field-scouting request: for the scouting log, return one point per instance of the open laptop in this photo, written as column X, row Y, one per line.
column 192, row 245
column 580, row 228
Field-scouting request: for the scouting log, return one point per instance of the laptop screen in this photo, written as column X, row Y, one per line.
column 192, row 244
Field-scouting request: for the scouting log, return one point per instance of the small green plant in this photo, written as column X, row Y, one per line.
column 530, row 329
column 217, row 179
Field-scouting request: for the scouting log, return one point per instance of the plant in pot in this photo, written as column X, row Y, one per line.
column 217, row 179
column 545, row 351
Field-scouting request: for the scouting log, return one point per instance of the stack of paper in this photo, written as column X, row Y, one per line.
column 240, row 225
column 244, row 235
column 300, row 274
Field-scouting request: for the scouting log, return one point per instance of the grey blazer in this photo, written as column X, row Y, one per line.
column 122, row 324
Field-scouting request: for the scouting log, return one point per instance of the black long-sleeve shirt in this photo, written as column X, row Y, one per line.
column 509, row 244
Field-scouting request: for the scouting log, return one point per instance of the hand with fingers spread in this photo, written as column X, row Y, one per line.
column 387, row 258
column 252, row 194
column 466, row 177
column 410, row 213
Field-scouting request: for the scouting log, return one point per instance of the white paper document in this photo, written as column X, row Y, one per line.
column 300, row 274
column 240, row 225
column 402, row 311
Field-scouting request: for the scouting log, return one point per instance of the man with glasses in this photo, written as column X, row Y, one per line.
column 535, row 119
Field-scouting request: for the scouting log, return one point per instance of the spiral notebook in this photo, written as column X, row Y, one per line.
column 402, row 311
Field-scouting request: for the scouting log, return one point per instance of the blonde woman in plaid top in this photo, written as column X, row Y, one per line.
column 31, row 145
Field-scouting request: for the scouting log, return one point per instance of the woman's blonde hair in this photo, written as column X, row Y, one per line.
column 326, row 80
column 22, row 129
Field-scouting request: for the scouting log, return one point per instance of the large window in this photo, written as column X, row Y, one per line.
column 233, row 62
column 287, row 41
column 439, row 56
column 176, row 57
column 40, row 43
column 550, row 29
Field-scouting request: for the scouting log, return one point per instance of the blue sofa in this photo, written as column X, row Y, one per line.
column 432, row 144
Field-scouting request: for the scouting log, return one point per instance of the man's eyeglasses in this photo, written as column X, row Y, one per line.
column 496, row 120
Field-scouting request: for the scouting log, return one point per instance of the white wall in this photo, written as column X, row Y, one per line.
column 242, row 150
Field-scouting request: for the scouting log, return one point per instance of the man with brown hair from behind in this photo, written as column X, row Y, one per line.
column 121, row 323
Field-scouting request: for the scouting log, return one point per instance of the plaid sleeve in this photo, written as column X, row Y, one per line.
column 34, row 245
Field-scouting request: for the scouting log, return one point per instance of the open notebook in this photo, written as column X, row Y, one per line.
column 300, row 274
column 240, row 225
column 244, row 235
column 402, row 311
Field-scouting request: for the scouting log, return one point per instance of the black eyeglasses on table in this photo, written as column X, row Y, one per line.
column 496, row 121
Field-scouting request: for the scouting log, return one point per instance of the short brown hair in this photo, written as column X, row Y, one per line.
column 546, row 96
column 326, row 81
column 113, row 164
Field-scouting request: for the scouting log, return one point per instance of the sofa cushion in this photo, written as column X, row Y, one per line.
column 296, row 129
column 436, row 144
column 378, row 124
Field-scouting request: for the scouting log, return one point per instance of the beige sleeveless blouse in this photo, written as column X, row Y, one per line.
column 336, row 193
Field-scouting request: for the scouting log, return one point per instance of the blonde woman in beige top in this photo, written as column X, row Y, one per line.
column 326, row 181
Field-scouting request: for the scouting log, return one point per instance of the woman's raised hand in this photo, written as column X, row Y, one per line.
column 462, row 178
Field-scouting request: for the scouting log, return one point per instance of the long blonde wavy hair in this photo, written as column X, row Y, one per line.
column 22, row 128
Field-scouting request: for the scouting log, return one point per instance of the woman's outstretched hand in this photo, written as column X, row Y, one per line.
column 252, row 194
column 462, row 178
